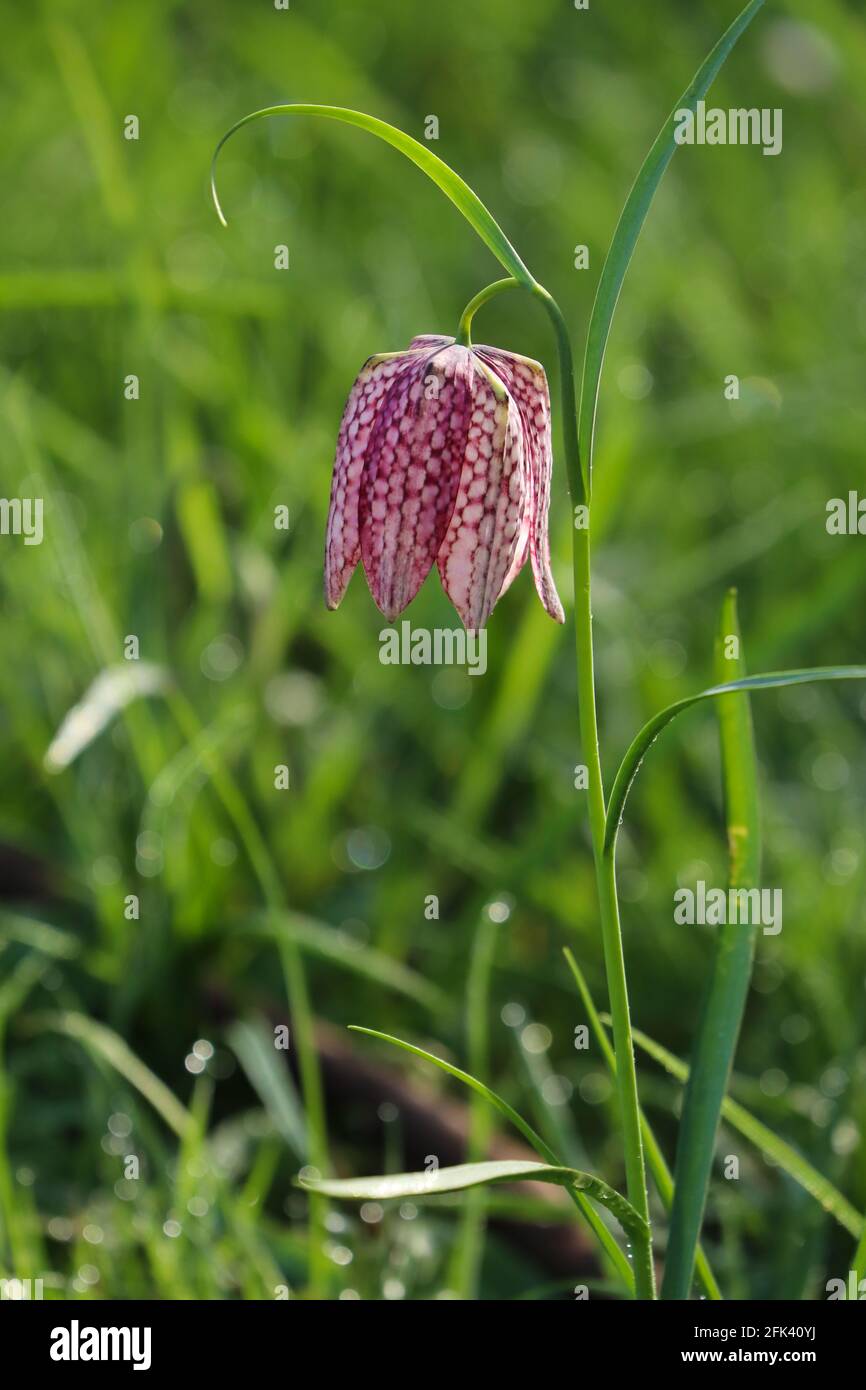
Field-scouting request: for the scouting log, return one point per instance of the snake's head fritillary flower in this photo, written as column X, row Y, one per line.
column 443, row 455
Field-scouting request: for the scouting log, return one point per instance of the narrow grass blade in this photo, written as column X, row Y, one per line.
column 450, row 183
column 776, row 1150
column 728, row 985
column 111, row 691
column 253, row 1044
column 90, row 103
column 530, row 1135
column 637, row 750
column 555, row 1121
column 464, row 1175
column 465, row 1262
column 106, row 1044
column 629, row 227
column 39, row 936
column 655, row 1158
column 16, row 985
column 331, row 944
column 264, row 867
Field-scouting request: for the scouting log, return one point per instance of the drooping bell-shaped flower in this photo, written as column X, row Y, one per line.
column 444, row 454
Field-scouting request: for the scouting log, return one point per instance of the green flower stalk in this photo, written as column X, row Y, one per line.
column 407, row 471
column 444, row 457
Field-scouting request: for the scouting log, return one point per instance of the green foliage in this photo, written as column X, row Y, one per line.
column 407, row 782
column 774, row 1149
column 464, row 1175
column 728, row 986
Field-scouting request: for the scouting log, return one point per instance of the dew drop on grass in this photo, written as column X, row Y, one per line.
column 536, row 1038
column 339, row 1254
column 499, row 910
column 513, row 1015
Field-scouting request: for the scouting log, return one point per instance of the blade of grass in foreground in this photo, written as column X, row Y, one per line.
column 655, row 1158
column 629, row 228
column 725, row 999
column 530, row 1135
column 776, row 1150
column 466, row 1175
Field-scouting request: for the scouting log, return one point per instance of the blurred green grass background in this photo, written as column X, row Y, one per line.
column 407, row 782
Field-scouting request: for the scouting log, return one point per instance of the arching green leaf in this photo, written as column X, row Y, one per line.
column 630, row 224
column 450, row 183
column 463, row 1175
column 638, row 747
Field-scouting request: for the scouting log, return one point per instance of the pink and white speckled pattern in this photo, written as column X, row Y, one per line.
column 430, row 340
column 412, row 473
column 444, row 454
column 343, row 538
column 482, row 539
column 527, row 384
column 522, row 550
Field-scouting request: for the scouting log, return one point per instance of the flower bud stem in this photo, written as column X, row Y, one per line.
column 463, row 328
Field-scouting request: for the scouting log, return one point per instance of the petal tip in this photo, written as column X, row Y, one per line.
column 551, row 601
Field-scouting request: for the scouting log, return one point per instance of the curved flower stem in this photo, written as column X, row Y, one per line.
column 614, row 960
column 463, row 328
column 577, row 482
column 578, row 477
